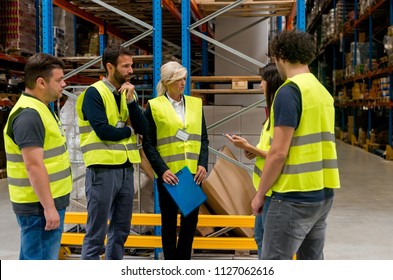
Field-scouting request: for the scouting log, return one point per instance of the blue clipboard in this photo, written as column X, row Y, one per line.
column 187, row 194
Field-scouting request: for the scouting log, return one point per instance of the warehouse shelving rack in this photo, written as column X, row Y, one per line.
column 348, row 31
column 155, row 30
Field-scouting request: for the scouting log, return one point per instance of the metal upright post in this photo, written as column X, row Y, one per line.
column 47, row 32
column 279, row 24
column 390, row 136
column 186, row 41
column 47, row 26
column 342, row 48
column 157, row 61
column 355, row 39
column 205, row 52
column 301, row 15
column 370, row 58
column 103, row 36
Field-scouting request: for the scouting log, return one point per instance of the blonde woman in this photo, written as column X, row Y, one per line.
column 177, row 137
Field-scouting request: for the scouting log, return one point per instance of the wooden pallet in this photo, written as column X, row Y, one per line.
column 233, row 84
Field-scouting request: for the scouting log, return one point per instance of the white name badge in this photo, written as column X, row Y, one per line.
column 120, row 124
column 182, row 135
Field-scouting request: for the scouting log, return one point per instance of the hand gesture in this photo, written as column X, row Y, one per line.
column 170, row 178
column 238, row 141
column 200, row 175
column 129, row 88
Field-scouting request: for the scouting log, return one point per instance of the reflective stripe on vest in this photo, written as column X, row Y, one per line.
column 47, row 154
column 264, row 145
column 96, row 151
column 311, row 163
column 177, row 153
column 55, row 156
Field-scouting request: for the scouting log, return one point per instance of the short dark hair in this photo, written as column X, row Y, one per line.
column 112, row 53
column 293, row 46
column 40, row 65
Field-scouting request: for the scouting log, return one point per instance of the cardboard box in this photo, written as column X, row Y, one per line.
column 145, row 165
column 361, row 37
column 204, row 231
column 230, row 190
column 238, row 84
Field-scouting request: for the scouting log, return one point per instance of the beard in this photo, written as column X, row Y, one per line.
column 119, row 78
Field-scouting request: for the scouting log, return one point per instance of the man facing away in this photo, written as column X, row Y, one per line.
column 301, row 164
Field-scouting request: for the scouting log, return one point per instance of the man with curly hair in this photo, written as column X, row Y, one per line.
column 301, row 164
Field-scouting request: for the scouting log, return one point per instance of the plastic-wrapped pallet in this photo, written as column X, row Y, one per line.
column 18, row 26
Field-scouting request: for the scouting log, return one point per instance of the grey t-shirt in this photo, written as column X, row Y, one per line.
column 28, row 131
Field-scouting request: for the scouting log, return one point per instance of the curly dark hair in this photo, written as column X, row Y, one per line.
column 293, row 46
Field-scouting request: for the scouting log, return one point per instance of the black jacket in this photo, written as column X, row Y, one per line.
column 150, row 144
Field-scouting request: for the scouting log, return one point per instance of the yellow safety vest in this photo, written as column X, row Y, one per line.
column 175, row 152
column 56, row 157
column 96, row 151
column 264, row 145
column 311, row 163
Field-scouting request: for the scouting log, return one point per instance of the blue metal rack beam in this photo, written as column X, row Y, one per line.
column 157, row 61
column 186, row 42
column 301, row 15
column 279, row 24
column 390, row 139
column 370, row 57
column 47, row 26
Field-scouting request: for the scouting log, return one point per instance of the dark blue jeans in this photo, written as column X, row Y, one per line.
column 259, row 225
column 36, row 243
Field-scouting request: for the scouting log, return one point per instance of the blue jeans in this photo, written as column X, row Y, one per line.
column 258, row 226
column 295, row 228
column 36, row 243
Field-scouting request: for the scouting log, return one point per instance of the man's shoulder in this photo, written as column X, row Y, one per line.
column 26, row 113
column 289, row 87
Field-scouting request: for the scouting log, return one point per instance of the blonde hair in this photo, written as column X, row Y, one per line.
column 171, row 72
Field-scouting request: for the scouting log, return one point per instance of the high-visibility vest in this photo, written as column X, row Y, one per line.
column 97, row 151
column 311, row 163
column 175, row 152
column 56, row 158
column 264, row 145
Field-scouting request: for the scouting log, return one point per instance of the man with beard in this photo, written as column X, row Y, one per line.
column 109, row 118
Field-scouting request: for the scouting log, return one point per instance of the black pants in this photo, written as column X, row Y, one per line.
column 169, row 211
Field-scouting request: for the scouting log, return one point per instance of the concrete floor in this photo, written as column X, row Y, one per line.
column 360, row 225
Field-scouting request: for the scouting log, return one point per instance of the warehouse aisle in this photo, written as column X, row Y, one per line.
column 360, row 225
column 9, row 232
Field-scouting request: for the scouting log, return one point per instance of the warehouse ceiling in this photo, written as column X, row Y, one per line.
column 120, row 25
